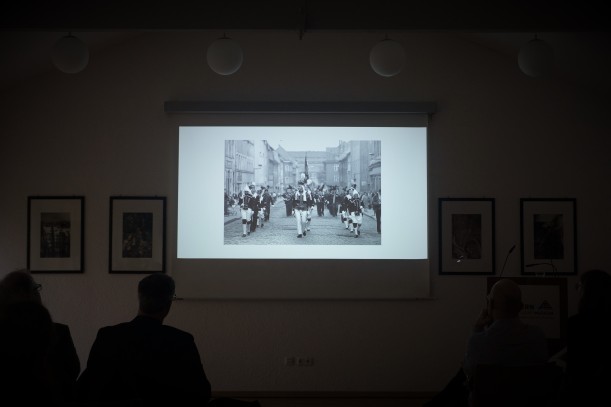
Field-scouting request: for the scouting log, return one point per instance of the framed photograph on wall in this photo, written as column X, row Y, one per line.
column 548, row 236
column 466, row 236
column 137, row 234
column 55, row 234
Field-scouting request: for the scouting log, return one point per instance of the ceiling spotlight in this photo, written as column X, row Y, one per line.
column 387, row 57
column 536, row 58
column 224, row 56
column 70, row 54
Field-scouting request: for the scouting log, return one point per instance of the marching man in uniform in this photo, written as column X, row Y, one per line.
column 246, row 203
column 255, row 206
column 346, row 220
column 377, row 208
column 355, row 208
column 319, row 199
column 289, row 197
column 310, row 199
column 301, row 209
column 266, row 203
column 330, row 199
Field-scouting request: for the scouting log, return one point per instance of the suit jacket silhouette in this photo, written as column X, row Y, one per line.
column 63, row 362
column 588, row 359
column 26, row 336
column 143, row 359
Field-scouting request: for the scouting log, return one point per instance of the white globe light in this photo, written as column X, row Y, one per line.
column 70, row 55
column 387, row 58
column 536, row 58
column 224, row 56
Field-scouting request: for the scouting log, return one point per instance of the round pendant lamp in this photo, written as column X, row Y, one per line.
column 70, row 54
column 224, row 56
column 387, row 58
column 536, row 58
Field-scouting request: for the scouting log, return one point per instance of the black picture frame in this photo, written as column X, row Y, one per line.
column 55, row 236
column 137, row 234
column 467, row 236
column 548, row 231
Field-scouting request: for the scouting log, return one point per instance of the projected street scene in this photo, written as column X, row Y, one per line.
column 313, row 168
column 214, row 259
column 302, row 191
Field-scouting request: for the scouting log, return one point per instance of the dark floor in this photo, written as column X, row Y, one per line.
column 340, row 401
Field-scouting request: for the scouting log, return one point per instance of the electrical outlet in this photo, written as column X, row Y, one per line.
column 298, row 361
column 305, row 361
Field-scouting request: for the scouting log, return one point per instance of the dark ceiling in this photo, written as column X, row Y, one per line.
column 577, row 32
column 480, row 16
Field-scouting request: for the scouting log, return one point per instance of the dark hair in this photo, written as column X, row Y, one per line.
column 596, row 292
column 155, row 293
column 17, row 286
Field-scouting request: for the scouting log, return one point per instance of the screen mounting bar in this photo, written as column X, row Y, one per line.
column 300, row 107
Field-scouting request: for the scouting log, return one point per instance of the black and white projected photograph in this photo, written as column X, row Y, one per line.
column 286, row 188
column 302, row 191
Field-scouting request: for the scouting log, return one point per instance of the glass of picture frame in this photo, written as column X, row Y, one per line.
column 137, row 234
column 56, row 231
column 548, row 236
column 466, row 236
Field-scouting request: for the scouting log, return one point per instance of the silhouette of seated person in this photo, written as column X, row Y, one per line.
column 26, row 337
column 499, row 337
column 62, row 360
column 143, row 359
column 588, row 352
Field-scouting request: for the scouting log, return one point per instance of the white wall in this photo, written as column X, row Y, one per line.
column 497, row 133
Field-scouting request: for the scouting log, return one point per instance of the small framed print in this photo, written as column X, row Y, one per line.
column 466, row 236
column 137, row 234
column 55, row 234
column 548, row 236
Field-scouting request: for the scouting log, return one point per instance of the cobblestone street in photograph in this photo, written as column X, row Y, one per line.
column 282, row 230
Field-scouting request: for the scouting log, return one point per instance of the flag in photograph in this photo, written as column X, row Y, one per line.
column 307, row 175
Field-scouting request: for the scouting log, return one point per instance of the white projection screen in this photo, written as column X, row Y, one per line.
column 214, row 261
